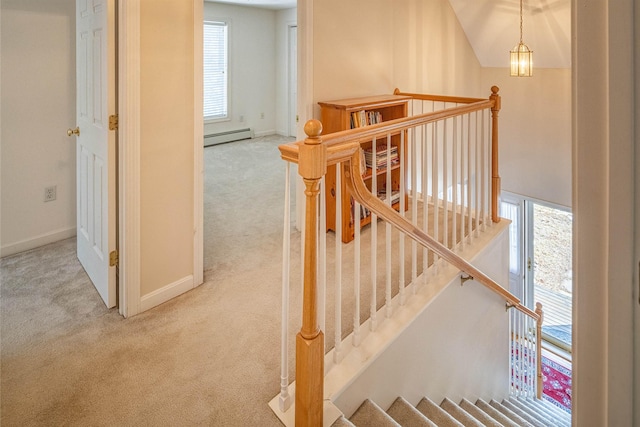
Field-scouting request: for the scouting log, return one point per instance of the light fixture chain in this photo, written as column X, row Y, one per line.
column 520, row 21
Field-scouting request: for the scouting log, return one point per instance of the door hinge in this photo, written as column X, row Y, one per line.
column 529, row 263
column 113, row 122
column 113, row 259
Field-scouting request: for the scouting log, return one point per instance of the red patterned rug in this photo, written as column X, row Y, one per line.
column 556, row 376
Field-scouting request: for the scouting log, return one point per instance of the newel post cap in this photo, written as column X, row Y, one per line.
column 312, row 162
column 496, row 97
column 313, row 128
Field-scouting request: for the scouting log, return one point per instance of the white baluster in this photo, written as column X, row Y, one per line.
column 403, row 195
column 285, row 397
column 374, row 240
column 483, row 195
column 435, row 170
column 523, row 357
column 389, row 198
column 337, row 352
column 478, row 178
column 356, row 274
column 463, row 180
column 425, row 196
column 425, row 211
column 512, row 348
column 322, row 257
column 454, row 186
column 468, row 186
column 419, row 138
column 445, row 188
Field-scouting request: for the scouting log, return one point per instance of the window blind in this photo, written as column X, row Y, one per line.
column 215, row 70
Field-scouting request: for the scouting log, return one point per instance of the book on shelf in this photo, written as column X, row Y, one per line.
column 395, row 196
column 382, row 195
column 381, row 157
column 365, row 118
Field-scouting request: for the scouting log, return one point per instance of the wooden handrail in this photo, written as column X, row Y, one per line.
column 534, row 315
column 438, row 98
column 361, row 193
column 340, row 144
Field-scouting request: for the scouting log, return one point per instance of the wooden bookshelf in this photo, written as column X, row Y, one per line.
column 356, row 112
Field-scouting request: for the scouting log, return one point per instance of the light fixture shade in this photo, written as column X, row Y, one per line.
column 521, row 61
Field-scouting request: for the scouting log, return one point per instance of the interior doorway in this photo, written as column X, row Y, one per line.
column 293, row 80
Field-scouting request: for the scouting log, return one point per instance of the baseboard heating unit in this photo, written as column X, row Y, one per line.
column 228, row 136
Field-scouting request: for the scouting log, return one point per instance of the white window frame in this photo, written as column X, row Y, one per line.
column 222, row 113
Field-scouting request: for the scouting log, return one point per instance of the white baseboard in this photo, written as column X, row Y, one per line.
column 264, row 133
column 36, row 242
column 166, row 293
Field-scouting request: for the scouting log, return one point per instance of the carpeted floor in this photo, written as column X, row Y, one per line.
column 209, row 357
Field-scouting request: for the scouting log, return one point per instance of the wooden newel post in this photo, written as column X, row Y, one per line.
column 312, row 166
column 540, row 313
column 495, row 173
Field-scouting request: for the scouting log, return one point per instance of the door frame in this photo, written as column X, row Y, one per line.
column 129, row 156
column 292, row 126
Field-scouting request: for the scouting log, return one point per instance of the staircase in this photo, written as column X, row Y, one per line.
column 511, row 412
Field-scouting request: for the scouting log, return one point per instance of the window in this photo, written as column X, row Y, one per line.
column 215, row 70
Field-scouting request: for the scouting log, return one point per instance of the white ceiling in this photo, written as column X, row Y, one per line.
column 493, row 29
column 265, row 4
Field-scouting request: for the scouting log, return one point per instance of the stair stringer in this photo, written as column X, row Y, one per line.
column 455, row 343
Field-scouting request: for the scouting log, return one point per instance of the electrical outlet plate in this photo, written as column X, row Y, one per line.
column 50, row 193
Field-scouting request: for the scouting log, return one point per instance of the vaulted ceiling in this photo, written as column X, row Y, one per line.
column 493, row 28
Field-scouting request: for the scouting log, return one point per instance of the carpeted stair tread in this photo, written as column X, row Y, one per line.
column 495, row 414
column 553, row 409
column 370, row 414
column 525, row 415
column 407, row 415
column 342, row 422
column 535, row 411
column 479, row 414
column 437, row 414
column 459, row 414
column 510, row 414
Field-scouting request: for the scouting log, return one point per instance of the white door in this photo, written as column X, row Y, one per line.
column 293, row 80
column 96, row 144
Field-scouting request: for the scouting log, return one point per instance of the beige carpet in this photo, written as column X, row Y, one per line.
column 209, row 357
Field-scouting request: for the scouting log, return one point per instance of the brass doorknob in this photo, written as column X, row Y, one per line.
column 75, row 131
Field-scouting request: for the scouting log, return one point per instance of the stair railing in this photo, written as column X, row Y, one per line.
column 469, row 206
column 525, row 346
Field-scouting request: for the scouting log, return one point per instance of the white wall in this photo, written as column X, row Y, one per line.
column 353, row 49
column 605, row 139
column 444, row 353
column 535, row 132
column 38, row 105
column 166, row 148
column 252, row 67
column 284, row 19
column 431, row 52
column 415, row 45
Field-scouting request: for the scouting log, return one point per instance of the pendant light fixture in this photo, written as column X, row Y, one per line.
column 521, row 56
